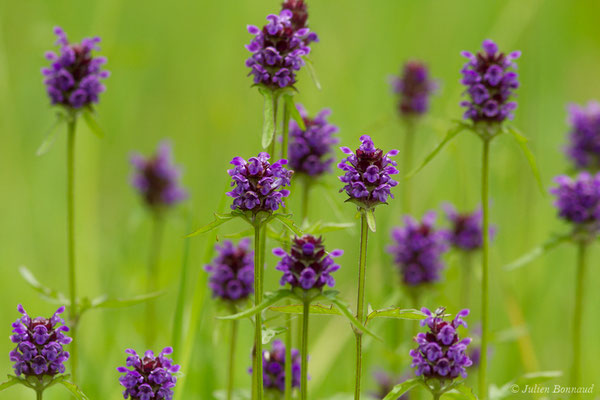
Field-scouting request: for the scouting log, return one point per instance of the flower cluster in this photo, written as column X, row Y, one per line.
column 441, row 354
column 73, row 78
column 157, row 178
column 578, row 200
column 490, row 82
column 417, row 250
column 413, row 88
column 150, row 377
column 584, row 146
column 466, row 232
column 277, row 49
column 39, row 343
column 307, row 265
column 232, row 271
column 367, row 174
column 258, row 184
column 310, row 149
column 274, row 367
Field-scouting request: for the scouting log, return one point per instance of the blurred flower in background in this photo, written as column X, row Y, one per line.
column 413, row 88
column 232, row 271
column 578, row 201
column 466, row 230
column 584, row 138
column 274, row 367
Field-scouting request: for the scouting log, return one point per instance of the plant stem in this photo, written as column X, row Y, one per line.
column 304, row 351
column 272, row 145
column 484, row 265
column 258, row 295
column 436, row 396
column 305, row 198
column 73, row 313
column 231, row 377
column 466, row 270
column 285, row 132
column 362, row 264
column 577, row 316
column 407, row 162
column 288, row 357
column 153, row 261
column 39, row 394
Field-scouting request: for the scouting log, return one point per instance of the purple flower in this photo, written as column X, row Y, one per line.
column 584, row 145
column 157, row 178
column 466, row 232
column 274, row 367
column 232, row 271
column 367, row 174
column 73, row 79
column 39, row 344
column 441, row 354
column 578, row 200
column 413, row 88
column 490, row 80
column 307, row 265
column 310, row 150
column 148, row 377
column 258, row 185
column 417, row 250
column 277, row 49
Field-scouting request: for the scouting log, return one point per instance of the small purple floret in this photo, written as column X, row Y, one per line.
column 232, row 271
column 584, row 139
column 413, row 87
column 578, row 200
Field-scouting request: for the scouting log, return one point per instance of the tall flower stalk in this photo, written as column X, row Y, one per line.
column 368, row 183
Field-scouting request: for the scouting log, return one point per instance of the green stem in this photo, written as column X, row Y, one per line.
column 73, row 313
column 258, row 298
column 39, row 394
column 362, row 264
column 407, row 164
column 152, row 274
column 436, row 396
column 577, row 316
column 272, row 146
column 483, row 392
column 285, row 132
column 466, row 270
column 288, row 357
column 231, row 377
column 305, row 198
column 181, row 293
column 304, row 351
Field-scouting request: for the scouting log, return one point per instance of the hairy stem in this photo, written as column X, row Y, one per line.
column 258, row 298
column 304, row 351
column 73, row 312
column 362, row 264
column 231, row 376
column 483, row 392
column 577, row 315
column 407, row 164
column 152, row 274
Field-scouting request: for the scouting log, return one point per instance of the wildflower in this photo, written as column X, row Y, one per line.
column 232, row 271
column 413, row 87
column 466, row 231
column 584, row 146
column 39, row 344
column 578, row 200
column 310, row 149
column 73, row 80
column 274, row 367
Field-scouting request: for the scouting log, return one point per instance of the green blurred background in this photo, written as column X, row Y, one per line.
column 178, row 72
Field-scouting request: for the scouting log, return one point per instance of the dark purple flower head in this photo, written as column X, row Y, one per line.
column 274, row 367
column 310, row 150
column 149, row 377
column 277, row 49
column 466, row 232
column 39, row 344
column 441, row 354
column 413, row 88
column 157, row 178
column 232, row 271
column 258, row 185
column 578, row 200
column 418, row 249
column 584, row 145
column 73, row 78
column 307, row 265
column 491, row 81
column 367, row 174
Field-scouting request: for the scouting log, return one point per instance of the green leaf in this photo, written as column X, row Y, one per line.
column 92, row 124
column 289, row 224
column 105, row 302
column 38, row 287
column 10, row 382
column 346, row 312
column 371, row 219
column 269, row 333
column 268, row 132
column 239, row 235
column 465, row 392
column 74, row 389
column 269, row 300
column 522, row 142
column 451, row 134
column 293, row 111
column 313, row 309
column 219, row 220
column 318, row 228
column 402, row 388
column 50, row 135
column 312, row 72
column 548, row 245
column 399, row 313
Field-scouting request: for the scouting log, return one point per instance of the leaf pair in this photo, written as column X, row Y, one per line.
column 62, row 118
column 220, row 219
column 60, row 380
column 457, row 390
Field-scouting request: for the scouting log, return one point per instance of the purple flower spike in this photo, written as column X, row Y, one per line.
column 466, row 232
column 149, row 377
column 232, row 271
column 417, row 250
column 274, row 367
column 258, row 185
column 157, row 178
column 310, row 150
column 441, row 354
column 584, row 139
column 491, row 81
column 307, row 265
column 277, row 49
column 578, row 201
column 39, row 344
column 367, row 174
column 74, row 76
column 413, row 87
